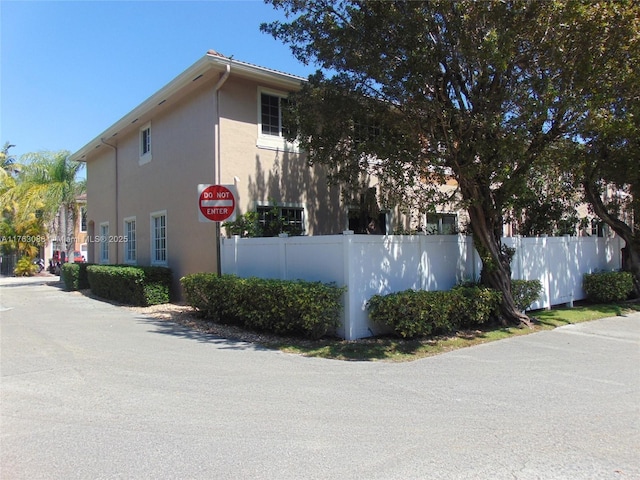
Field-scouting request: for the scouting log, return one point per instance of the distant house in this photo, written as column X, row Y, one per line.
column 218, row 122
column 68, row 243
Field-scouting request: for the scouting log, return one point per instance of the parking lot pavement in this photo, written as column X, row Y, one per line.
column 92, row 390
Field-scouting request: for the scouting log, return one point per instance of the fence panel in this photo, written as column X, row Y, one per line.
column 369, row 264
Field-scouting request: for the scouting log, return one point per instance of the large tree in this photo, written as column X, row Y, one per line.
column 606, row 157
column 419, row 91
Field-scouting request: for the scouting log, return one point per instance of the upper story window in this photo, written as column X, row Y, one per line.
column 145, row 144
column 271, row 126
column 271, row 114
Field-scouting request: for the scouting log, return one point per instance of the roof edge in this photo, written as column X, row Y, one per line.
column 209, row 61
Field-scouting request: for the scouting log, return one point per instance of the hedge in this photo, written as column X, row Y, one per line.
column 525, row 292
column 297, row 308
column 75, row 276
column 215, row 297
column 605, row 287
column 132, row 285
column 412, row 313
column 474, row 305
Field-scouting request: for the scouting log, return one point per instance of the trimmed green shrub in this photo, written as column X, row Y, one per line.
column 140, row 286
column 422, row 313
column 413, row 313
column 299, row 308
column 474, row 305
column 525, row 292
column 307, row 309
column 70, row 274
column 156, row 285
column 216, row 297
column 604, row 287
column 74, row 276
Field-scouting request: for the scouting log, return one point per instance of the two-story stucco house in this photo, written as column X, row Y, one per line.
column 218, row 122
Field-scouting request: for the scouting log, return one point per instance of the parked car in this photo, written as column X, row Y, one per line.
column 77, row 257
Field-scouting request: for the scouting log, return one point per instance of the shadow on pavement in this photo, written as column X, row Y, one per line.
column 170, row 327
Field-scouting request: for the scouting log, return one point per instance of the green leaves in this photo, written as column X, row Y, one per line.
column 480, row 92
column 422, row 313
column 606, row 287
column 44, row 186
column 299, row 308
column 525, row 292
column 141, row 286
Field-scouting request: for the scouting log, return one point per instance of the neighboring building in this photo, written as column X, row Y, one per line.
column 74, row 240
column 219, row 122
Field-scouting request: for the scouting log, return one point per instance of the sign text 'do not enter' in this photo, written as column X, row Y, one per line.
column 216, row 203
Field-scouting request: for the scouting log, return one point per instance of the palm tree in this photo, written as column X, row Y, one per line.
column 8, row 163
column 47, row 188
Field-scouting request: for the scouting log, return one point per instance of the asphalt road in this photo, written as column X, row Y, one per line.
column 93, row 391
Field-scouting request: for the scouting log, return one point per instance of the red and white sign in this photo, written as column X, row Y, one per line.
column 216, row 203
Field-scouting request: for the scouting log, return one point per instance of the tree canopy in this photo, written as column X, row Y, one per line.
column 44, row 188
column 414, row 92
column 606, row 157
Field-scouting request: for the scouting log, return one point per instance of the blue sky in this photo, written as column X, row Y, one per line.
column 71, row 69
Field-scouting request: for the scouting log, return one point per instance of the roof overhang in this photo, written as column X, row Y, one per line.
column 211, row 63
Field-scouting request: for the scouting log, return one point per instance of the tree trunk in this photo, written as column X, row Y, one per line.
column 631, row 262
column 631, row 252
column 70, row 222
column 496, row 259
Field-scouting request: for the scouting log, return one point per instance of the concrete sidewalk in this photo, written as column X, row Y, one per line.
column 92, row 390
column 43, row 277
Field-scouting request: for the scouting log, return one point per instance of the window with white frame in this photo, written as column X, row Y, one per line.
column 270, row 114
column 441, row 224
column 159, row 238
column 271, row 126
column 104, row 242
column 130, row 253
column 276, row 219
column 145, row 144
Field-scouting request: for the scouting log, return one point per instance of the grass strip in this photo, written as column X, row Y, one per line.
column 388, row 348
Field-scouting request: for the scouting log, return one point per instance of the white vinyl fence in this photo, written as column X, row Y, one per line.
column 369, row 264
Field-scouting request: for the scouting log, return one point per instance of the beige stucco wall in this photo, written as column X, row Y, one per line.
column 100, row 199
column 271, row 173
column 183, row 149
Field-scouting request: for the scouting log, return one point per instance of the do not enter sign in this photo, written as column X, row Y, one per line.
column 216, row 203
